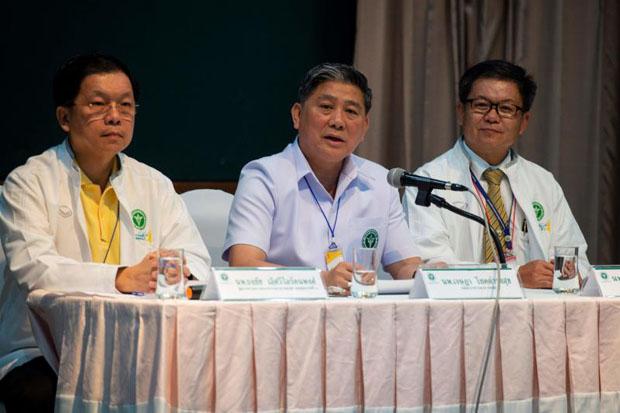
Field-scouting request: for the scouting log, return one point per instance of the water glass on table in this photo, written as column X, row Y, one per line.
column 170, row 278
column 365, row 264
column 565, row 270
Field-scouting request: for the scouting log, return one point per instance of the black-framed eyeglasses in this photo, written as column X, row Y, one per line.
column 483, row 106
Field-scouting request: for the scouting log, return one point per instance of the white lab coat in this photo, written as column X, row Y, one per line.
column 45, row 239
column 441, row 235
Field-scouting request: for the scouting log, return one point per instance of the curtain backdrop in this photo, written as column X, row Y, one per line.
column 414, row 51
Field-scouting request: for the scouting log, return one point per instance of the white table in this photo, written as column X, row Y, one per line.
column 124, row 353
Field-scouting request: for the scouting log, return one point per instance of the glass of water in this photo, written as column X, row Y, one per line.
column 565, row 270
column 170, row 278
column 364, row 282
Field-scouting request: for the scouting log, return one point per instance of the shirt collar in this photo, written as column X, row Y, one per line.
column 116, row 167
column 69, row 150
column 350, row 171
column 85, row 180
column 479, row 165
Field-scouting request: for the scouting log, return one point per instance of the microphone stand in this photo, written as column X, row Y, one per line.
column 425, row 198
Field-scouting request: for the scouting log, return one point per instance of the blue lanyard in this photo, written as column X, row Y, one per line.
column 505, row 225
column 332, row 231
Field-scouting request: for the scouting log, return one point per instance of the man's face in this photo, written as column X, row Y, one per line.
column 491, row 135
column 101, row 121
column 332, row 122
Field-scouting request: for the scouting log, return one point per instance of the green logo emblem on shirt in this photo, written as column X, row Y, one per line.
column 431, row 276
column 138, row 217
column 538, row 210
column 224, row 276
column 604, row 275
column 370, row 239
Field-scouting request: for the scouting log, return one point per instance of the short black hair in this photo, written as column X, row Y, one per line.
column 502, row 70
column 337, row 72
column 69, row 77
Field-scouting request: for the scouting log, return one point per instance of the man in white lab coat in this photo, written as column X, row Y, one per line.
column 524, row 203
column 82, row 216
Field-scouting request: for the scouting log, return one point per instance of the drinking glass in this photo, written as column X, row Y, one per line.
column 170, row 278
column 364, row 282
column 565, row 272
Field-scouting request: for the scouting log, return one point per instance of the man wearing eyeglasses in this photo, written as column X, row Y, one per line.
column 524, row 203
column 82, row 216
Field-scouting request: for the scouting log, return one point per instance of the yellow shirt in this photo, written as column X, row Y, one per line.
column 101, row 213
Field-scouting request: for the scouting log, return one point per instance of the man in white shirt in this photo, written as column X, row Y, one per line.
column 524, row 203
column 312, row 203
column 82, row 216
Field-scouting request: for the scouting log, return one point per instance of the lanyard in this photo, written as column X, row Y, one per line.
column 332, row 230
column 505, row 225
column 118, row 211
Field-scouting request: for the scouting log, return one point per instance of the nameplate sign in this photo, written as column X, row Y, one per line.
column 604, row 281
column 282, row 283
column 464, row 283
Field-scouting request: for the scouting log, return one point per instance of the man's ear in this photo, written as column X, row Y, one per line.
column 62, row 116
column 366, row 125
column 524, row 122
column 296, row 114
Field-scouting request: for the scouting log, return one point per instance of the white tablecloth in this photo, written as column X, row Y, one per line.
column 124, row 353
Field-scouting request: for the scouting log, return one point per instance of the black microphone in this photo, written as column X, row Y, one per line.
column 399, row 178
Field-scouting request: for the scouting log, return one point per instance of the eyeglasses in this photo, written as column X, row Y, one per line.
column 126, row 109
column 482, row 106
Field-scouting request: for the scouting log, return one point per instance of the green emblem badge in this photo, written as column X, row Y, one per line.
column 431, row 277
column 224, row 276
column 138, row 217
column 604, row 275
column 538, row 210
column 370, row 239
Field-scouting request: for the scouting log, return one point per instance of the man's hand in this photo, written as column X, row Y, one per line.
column 536, row 274
column 568, row 270
column 139, row 277
column 404, row 269
column 339, row 276
column 434, row 265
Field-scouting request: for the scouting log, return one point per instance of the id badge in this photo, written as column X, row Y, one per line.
column 333, row 256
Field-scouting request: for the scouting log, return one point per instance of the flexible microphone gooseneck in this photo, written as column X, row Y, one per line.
column 442, row 203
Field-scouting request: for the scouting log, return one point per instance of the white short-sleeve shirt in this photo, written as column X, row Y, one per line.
column 274, row 210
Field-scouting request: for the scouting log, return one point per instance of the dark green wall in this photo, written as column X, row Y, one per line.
column 217, row 78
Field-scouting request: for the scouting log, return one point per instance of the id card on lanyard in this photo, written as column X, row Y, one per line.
column 333, row 254
column 507, row 227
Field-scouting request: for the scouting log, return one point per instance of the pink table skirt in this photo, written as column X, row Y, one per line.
column 122, row 353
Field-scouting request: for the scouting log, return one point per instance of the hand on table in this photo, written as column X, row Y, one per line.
column 434, row 265
column 339, row 276
column 142, row 277
column 536, row 274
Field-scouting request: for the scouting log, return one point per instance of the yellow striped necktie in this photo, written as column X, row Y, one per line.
column 494, row 178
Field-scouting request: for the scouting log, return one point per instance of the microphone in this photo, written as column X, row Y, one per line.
column 399, row 178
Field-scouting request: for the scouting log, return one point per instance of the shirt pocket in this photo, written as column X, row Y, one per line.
column 367, row 232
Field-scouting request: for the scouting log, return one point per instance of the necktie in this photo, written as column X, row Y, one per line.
column 494, row 179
